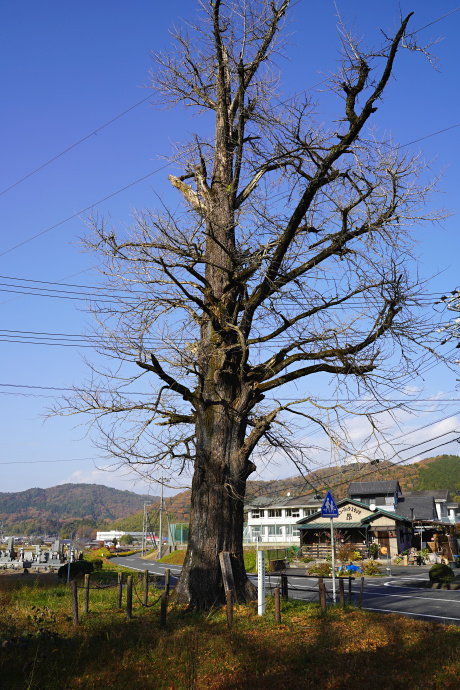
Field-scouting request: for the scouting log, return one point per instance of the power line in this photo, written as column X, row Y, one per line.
column 39, row 234
column 428, row 136
column 400, row 462
column 143, row 100
column 77, row 143
column 37, row 462
column 74, row 215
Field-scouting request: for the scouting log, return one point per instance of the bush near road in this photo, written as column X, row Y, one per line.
column 441, row 573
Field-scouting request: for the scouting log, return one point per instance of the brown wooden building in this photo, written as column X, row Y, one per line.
column 359, row 524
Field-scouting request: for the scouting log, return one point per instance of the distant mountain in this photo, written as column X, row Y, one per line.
column 442, row 472
column 46, row 510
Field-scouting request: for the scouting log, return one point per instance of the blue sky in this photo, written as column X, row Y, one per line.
column 68, row 68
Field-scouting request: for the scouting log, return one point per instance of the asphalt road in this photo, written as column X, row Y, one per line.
column 385, row 595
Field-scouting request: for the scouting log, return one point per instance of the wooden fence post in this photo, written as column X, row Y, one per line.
column 163, row 608
column 322, row 595
column 284, row 586
column 167, row 574
column 277, row 605
column 119, row 589
column 86, row 594
column 341, row 592
column 361, row 593
column 73, row 586
column 146, row 587
column 129, row 598
column 349, row 590
column 229, row 598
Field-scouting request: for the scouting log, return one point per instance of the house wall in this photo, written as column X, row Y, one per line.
column 279, row 529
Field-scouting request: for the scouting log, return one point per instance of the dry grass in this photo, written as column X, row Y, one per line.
column 39, row 647
column 174, row 558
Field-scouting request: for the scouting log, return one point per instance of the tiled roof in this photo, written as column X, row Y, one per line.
column 440, row 494
column 327, row 526
column 424, row 507
column 373, row 488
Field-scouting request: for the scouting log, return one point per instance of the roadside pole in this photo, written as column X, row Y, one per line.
column 161, row 521
column 329, row 510
column 70, row 553
column 261, row 582
column 333, row 561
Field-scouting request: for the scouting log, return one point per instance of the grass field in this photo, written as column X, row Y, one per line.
column 40, row 648
column 250, row 559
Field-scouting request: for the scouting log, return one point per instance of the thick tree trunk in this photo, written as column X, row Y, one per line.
column 216, row 519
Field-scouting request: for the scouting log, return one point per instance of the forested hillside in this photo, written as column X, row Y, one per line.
column 442, row 472
column 46, row 510
column 41, row 511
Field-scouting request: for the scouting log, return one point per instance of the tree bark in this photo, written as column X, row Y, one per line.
column 217, row 515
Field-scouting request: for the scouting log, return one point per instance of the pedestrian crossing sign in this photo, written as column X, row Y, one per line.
column 329, row 508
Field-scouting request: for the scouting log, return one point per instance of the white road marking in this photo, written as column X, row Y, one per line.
column 411, row 613
column 408, row 596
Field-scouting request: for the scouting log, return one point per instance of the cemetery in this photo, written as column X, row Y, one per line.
column 51, row 559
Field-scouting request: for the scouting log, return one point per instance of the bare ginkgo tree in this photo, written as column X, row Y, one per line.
column 288, row 260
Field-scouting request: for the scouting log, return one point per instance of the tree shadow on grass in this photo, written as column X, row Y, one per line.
column 341, row 650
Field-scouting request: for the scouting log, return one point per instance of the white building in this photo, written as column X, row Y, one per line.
column 272, row 519
column 117, row 534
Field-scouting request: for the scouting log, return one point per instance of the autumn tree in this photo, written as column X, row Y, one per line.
column 289, row 260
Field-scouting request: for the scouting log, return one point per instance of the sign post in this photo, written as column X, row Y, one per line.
column 329, row 510
column 261, row 582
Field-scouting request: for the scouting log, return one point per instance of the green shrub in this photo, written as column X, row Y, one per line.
column 78, row 569
column 320, row 570
column 374, row 550
column 441, row 573
column 97, row 563
column 370, row 568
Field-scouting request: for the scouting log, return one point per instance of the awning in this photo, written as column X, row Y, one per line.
column 326, row 525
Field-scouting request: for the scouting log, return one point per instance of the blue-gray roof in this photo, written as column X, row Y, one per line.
column 374, row 488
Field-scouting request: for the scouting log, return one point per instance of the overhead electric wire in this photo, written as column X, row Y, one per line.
column 394, row 464
column 93, row 289
column 56, row 225
column 37, row 462
column 77, row 143
column 88, row 208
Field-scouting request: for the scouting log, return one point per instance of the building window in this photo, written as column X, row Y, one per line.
column 308, row 511
column 288, row 512
column 292, row 529
column 275, row 531
column 296, row 512
column 257, row 514
column 274, row 513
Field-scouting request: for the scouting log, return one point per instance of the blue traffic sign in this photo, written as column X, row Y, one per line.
column 329, row 508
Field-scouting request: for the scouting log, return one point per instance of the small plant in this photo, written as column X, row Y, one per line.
column 370, row 568
column 346, row 552
column 398, row 560
column 374, row 550
column 320, row 570
column 441, row 573
column 97, row 563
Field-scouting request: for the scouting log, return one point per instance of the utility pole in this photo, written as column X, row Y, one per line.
column 143, row 532
column 161, row 519
column 145, row 528
column 70, row 553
